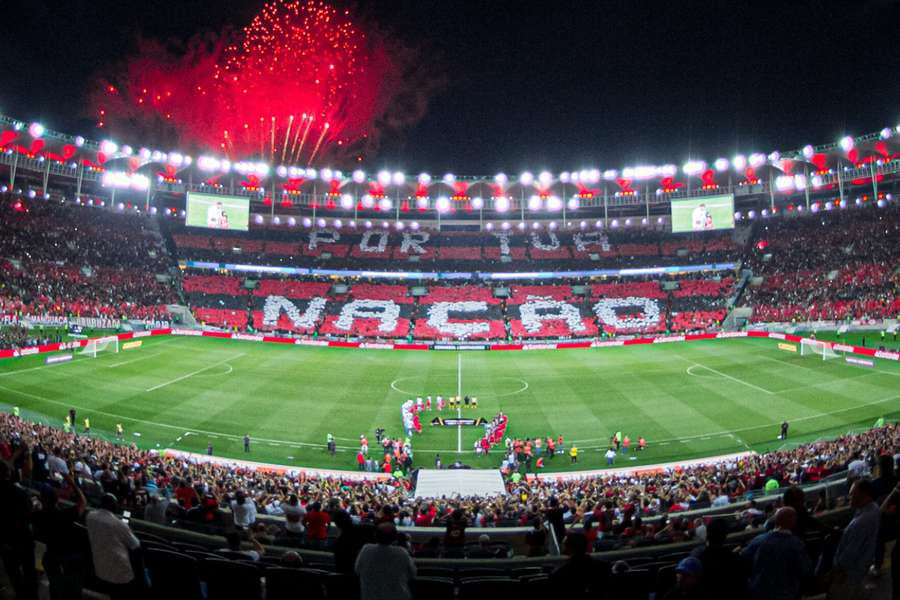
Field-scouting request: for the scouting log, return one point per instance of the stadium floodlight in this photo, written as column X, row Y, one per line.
column 424, row 179
column 554, row 203
column 526, row 178
column 599, row 224
column 281, row 171
column 442, row 204
column 659, row 220
column 292, row 222
column 36, row 130
column 276, row 220
column 536, row 225
column 610, row 174
column 398, row 178
column 757, row 159
column 501, row 179
column 399, row 225
column 501, row 204
column 338, row 224
column 108, row 147
column 739, row 162
column 307, row 222
column 414, row 225
column 774, row 156
column 751, row 215
column 367, row 224
column 582, row 225
column 310, row 173
column 534, row 203
column 478, row 203
column 615, row 223
column 449, row 178
column 326, row 174
column 808, row 151
column 321, row 223
column 545, row 178
column 564, row 177
column 644, row 221
column 352, row 224
column 692, row 168
column 385, row 225
column 422, row 202
column 639, row 172
column 258, row 219
column 346, row 201
column 737, row 215
column 521, row 225
column 384, row 177
column 504, row 225
column 552, row 225
column 79, row 141
column 385, row 204
column 572, row 203
column 628, row 222
column 367, row 201
column 847, row 143
column 721, row 165
column 489, row 226
column 881, row 203
column 359, row 176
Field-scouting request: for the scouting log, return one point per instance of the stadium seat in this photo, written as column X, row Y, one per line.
column 228, row 579
column 433, row 588
column 343, row 586
column 173, row 575
column 289, row 584
column 489, row 587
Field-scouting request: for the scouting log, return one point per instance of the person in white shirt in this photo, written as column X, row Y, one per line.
column 610, row 457
column 293, row 516
column 699, row 217
column 385, row 570
column 244, row 510
column 111, row 543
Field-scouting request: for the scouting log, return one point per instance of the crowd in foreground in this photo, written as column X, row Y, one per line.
column 594, row 513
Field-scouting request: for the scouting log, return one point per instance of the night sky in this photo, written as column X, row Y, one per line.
column 556, row 85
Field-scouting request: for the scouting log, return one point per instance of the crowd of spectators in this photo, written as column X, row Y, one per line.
column 595, row 513
column 72, row 260
column 840, row 265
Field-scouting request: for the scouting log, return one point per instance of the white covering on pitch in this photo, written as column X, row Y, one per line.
column 434, row 483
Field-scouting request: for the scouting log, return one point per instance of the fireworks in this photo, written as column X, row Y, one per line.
column 301, row 83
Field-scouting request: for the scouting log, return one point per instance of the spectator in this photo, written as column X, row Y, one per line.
column 722, row 568
column 580, row 573
column 855, row 552
column 244, row 510
column 112, row 544
column 316, row 522
column 293, row 516
column 349, row 542
column 537, row 538
column 688, row 581
column 455, row 534
column 233, row 540
column 17, row 544
column 778, row 560
column 385, row 570
column 64, row 559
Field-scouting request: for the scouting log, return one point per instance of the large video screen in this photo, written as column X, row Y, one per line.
column 703, row 214
column 217, row 212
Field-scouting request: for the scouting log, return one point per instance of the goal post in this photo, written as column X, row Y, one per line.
column 817, row 348
column 109, row 344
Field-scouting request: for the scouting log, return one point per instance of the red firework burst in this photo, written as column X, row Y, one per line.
column 300, row 84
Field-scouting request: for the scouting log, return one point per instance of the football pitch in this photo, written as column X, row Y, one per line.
column 688, row 400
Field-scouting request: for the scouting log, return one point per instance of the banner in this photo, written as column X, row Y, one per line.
column 132, row 345
column 787, row 347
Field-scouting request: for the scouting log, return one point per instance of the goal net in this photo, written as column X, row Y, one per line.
column 813, row 347
column 101, row 345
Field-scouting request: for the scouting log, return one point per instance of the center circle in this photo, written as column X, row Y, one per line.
column 522, row 386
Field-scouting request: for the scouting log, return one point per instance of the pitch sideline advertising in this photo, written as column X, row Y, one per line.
column 707, row 213
column 211, row 211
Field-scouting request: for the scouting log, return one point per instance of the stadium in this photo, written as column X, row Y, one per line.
column 595, row 381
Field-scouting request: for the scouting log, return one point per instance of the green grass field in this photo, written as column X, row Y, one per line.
column 687, row 399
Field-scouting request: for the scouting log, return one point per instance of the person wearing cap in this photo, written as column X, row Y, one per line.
column 112, row 543
column 688, row 580
column 778, row 560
